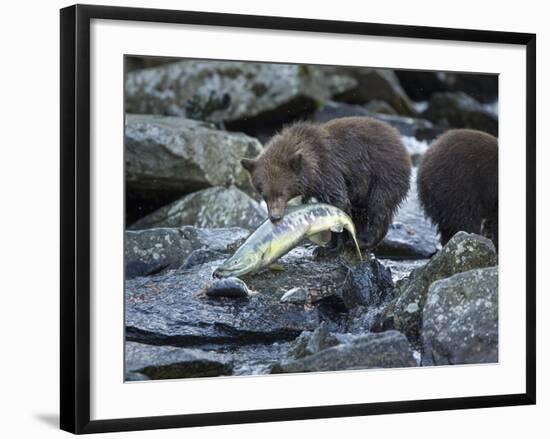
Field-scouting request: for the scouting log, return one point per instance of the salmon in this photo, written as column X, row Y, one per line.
column 271, row 240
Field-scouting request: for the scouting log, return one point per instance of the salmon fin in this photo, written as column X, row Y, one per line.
column 277, row 267
column 337, row 228
column 321, row 238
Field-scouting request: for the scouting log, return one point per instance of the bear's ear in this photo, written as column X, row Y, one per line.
column 296, row 162
column 248, row 164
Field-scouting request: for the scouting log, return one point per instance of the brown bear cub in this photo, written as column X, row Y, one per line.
column 357, row 164
column 458, row 184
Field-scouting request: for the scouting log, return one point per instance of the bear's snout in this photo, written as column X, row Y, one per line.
column 276, row 209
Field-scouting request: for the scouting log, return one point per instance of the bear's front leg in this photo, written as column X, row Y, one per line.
column 333, row 248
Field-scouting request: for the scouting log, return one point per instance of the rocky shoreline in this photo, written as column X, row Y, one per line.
column 352, row 315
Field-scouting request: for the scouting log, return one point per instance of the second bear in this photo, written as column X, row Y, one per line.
column 458, row 184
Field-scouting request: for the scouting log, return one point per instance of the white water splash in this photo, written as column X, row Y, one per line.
column 414, row 146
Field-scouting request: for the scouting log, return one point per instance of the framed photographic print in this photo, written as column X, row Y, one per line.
column 268, row 218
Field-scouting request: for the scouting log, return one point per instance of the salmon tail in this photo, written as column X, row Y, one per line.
column 350, row 227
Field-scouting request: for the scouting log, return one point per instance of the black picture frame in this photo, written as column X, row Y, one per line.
column 75, row 217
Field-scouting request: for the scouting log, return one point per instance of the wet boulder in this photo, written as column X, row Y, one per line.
column 150, row 251
column 462, row 253
column 201, row 256
column 459, row 110
column 215, row 207
column 167, row 362
column 230, row 91
column 367, row 283
column 386, row 349
column 460, row 319
column 178, row 156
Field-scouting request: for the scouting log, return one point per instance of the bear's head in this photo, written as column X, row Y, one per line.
column 288, row 167
column 277, row 182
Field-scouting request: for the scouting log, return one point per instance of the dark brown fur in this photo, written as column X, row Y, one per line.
column 458, row 183
column 355, row 163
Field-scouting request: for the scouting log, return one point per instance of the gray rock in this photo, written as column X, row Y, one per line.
column 376, row 84
column 367, row 283
column 386, row 349
column 460, row 319
column 458, row 110
column 256, row 359
column 179, row 155
column 150, row 251
column 229, row 90
column 421, row 129
column 368, row 288
column 298, row 348
column 201, row 256
column 171, row 307
column 309, row 343
column 168, row 362
column 402, row 268
column 462, row 253
column 215, row 207
column 321, row 339
column 322, row 279
column 412, row 235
